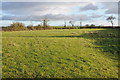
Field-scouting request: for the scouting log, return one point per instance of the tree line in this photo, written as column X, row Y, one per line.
column 17, row 26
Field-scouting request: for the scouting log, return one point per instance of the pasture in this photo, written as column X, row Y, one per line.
column 74, row 53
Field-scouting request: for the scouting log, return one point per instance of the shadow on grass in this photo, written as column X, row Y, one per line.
column 51, row 36
column 107, row 40
column 59, row 79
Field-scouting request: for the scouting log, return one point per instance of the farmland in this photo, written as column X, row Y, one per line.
column 74, row 53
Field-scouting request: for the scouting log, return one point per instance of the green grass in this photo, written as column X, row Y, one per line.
column 76, row 53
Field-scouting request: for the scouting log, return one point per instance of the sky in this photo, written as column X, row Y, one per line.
column 57, row 13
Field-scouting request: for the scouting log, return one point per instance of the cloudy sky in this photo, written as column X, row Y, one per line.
column 58, row 12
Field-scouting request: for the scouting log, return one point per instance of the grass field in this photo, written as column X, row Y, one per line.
column 75, row 53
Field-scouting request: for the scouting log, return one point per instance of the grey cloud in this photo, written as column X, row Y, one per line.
column 89, row 7
column 82, row 17
column 57, row 17
column 23, row 18
column 31, row 8
column 36, row 18
column 48, row 16
column 21, row 8
column 111, row 11
column 37, row 11
column 20, row 5
column 96, row 16
column 111, row 7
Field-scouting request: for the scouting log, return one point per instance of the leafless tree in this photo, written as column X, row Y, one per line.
column 72, row 23
column 110, row 19
column 64, row 23
column 45, row 22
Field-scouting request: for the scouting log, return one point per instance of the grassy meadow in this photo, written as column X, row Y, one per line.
column 74, row 53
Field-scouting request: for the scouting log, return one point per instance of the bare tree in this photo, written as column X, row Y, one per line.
column 72, row 23
column 64, row 23
column 45, row 22
column 110, row 19
column 80, row 24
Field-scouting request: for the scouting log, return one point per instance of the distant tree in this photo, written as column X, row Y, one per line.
column 17, row 26
column 38, row 27
column 72, row 23
column 45, row 22
column 80, row 23
column 87, row 25
column 92, row 25
column 31, row 27
column 64, row 23
column 110, row 19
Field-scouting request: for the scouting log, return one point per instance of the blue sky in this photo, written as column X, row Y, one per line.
column 58, row 12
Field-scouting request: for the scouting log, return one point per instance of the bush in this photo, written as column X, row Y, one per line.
column 31, row 27
column 16, row 26
column 38, row 27
column 92, row 25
